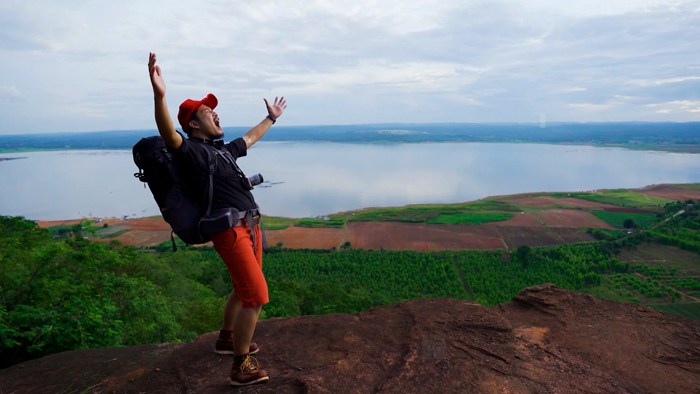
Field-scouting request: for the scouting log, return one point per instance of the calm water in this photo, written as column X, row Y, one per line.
column 311, row 179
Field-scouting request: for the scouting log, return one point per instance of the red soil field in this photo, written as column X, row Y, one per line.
column 570, row 218
column 517, row 220
column 51, row 223
column 671, row 192
column 543, row 236
column 311, row 238
column 546, row 201
column 143, row 237
column 146, row 224
column 422, row 237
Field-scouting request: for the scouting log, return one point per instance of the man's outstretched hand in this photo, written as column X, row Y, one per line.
column 277, row 108
column 156, row 78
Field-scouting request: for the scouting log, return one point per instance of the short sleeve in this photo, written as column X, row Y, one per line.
column 187, row 153
column 237, row 147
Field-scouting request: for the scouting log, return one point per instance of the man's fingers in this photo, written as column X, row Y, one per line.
column 266, row 103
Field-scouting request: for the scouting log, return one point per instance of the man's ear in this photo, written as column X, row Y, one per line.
column 193, row 124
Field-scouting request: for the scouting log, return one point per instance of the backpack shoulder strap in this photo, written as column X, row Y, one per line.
column 212, row 166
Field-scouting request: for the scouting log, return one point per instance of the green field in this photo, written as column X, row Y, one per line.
column 314, row 223
column 690, row 310
column 471, row 218
column 426, row 213
column 617, row 219
column 620, row 197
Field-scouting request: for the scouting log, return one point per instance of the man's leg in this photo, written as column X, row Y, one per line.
column 233, row 305
column 244, row 327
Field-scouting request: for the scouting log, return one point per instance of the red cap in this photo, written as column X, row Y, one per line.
column 188, row 107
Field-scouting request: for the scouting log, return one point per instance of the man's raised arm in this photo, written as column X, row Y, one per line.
column 163, row 120
column 274, row 111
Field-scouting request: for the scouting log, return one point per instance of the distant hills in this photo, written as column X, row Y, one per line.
column 672, row 136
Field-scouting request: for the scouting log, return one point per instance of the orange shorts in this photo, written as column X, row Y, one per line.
column 235, row 247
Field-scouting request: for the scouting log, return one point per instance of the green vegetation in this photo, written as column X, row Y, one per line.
column 471, row 218
column 272, row 227
column 280, row 223
column 620, row 197
column 690, row 310
column 332, row 223
column 59, row 294
column 427, row 213
column 617, row 220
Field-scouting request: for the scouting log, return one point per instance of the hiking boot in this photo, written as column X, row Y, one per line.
column 245, row 370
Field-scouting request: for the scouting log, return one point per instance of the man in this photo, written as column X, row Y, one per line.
column 242, row 256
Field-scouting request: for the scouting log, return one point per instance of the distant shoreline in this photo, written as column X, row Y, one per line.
column 650, row 147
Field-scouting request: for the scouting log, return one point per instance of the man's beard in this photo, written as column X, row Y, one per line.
column 217, row 136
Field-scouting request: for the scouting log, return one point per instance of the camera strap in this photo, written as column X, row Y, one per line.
column 228, row 157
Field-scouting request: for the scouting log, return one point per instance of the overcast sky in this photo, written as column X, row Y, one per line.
column 82, row 65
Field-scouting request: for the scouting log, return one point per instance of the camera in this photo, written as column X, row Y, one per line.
column 252, row 181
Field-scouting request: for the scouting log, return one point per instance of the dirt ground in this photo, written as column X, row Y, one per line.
column 570, row 218
column 519, row 230
column 517, row 220
column 671, row 192
column 422, row 237
column 546, row 201
column 311, row 238
column 542, row 236
column 51, row 223
column 146, row 224
column 144, row 237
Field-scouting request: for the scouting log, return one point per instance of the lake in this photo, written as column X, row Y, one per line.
column 313, row 179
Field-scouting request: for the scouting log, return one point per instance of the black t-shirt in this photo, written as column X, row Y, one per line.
column 193, row 162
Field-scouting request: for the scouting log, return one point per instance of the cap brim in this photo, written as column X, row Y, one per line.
column 210, row 101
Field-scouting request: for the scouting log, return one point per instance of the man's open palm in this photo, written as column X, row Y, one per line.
column 277, row 108
column 156, row 78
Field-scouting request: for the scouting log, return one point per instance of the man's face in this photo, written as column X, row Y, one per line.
column 208, row 123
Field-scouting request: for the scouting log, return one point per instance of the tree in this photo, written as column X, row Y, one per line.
column 523, row 255
column 629, row 223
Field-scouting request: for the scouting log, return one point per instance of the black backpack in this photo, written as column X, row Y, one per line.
column 158, row 169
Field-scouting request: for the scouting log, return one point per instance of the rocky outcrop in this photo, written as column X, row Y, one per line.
column 547, row 340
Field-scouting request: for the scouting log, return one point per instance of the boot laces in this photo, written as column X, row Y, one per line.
column 250, row 364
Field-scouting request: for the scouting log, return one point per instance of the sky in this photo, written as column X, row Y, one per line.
column 73, row 66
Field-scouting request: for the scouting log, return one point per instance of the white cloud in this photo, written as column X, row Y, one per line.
column 651, row 82
column 590, row 107
column 82, row 65
column 573, row 89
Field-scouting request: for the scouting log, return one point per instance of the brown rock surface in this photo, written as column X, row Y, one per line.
column 547, row 340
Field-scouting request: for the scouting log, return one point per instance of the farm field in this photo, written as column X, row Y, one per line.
column 657, row 255
column 569, row 218
column 306, row 238
column 542, row 236
column 506, row 222
column 617, row 219
column 548, row 201
column 422, row 237
column 680, row 193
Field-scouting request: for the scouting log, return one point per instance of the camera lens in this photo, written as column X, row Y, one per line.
column 256, row 179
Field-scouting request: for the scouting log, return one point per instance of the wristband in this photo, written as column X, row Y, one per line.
column 272, row 118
